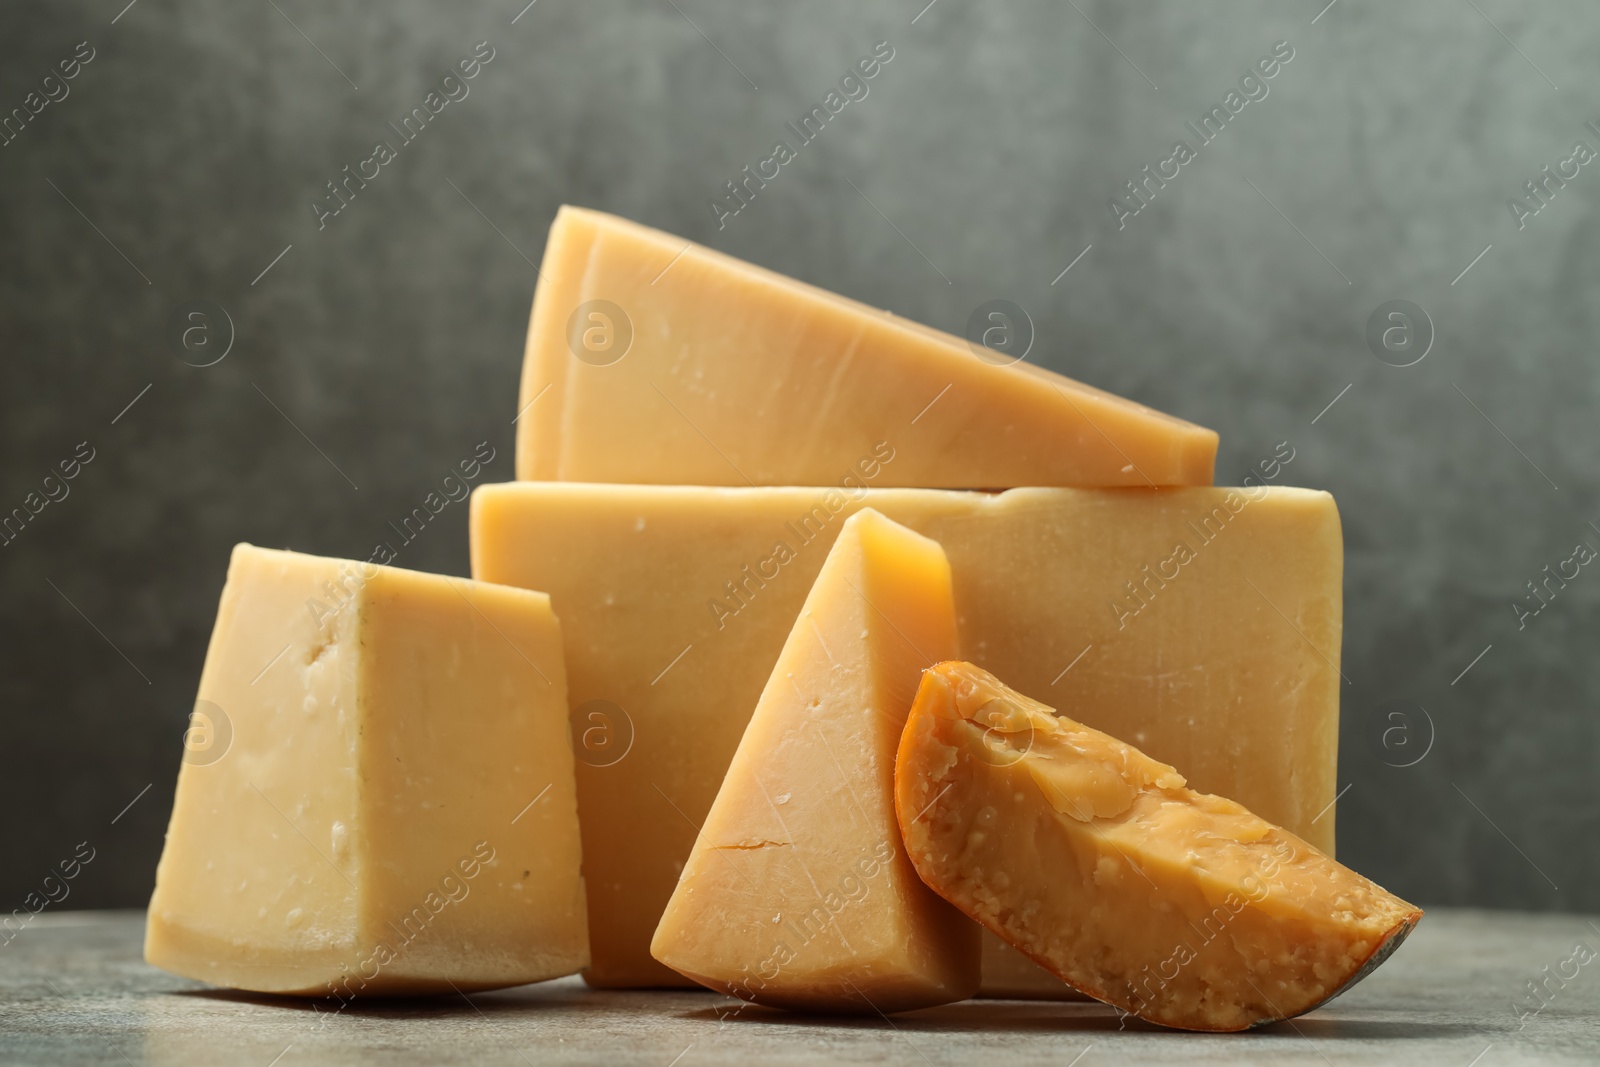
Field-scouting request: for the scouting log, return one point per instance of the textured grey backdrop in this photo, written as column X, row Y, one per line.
column 378, row 351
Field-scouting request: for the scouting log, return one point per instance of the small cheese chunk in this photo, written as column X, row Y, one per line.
column 1100, row 863
column 798, row 892
column 736, row 375
column 377, row 790
column 1201, row 624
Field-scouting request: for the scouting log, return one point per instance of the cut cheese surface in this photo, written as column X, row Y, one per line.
column 739, row 376
column 798, row 892
column 676, row 603
column 1010, row 975
column 377, row 792
column 1098, row 862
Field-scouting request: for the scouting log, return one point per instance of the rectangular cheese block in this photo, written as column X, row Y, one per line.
column 739, row 376
column 799, row 893
column 377, row 794
column 1201, row 624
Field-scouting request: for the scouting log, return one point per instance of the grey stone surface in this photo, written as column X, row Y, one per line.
column 76, row 991
column 379, row 350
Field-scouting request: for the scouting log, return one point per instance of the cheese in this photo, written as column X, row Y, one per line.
column 381, row 800
column 1097, row 861
column 1221, row 658
column 798, row 892
column 739, row 376
column 1009, row 975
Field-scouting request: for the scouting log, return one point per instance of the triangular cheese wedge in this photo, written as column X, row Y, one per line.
column 798, row 892
column 735, row 375
column 1101, row 865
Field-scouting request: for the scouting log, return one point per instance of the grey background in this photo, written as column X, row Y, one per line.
column 986, row 151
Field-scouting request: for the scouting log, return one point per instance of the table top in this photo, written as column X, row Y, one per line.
column 75, row 989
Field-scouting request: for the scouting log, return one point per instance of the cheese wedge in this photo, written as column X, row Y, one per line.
column 676, row 602
column 377, row 794
column 1102, row 865
column 798, row 893
column 736, row 375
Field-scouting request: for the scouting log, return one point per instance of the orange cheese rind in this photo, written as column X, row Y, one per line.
column 1101, row 865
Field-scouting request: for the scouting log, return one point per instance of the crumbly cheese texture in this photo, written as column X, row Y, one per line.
column 676, row 603
column 1099, row 863
column 737, row 375
column 357, row 820
column 798, row 892
column 1011, row 975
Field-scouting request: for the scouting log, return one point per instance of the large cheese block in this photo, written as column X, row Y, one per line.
column 1201, row 624
column 738, row 376
column 798, row 892
column 377, row 792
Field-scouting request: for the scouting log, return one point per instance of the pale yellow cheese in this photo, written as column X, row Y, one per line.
column 652, row 359
column 377, row 792
column 676, row 602
column 798, row 892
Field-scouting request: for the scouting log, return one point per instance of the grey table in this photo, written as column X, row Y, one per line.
column 74, row 989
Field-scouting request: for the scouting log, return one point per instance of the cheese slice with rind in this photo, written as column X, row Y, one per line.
column 736, row 375
column 1100, row 864
column 798, row 892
